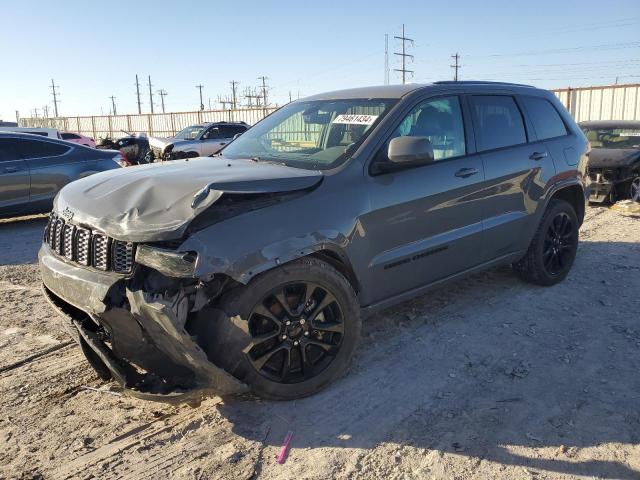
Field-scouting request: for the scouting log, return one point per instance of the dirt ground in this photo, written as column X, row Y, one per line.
column 490, row 378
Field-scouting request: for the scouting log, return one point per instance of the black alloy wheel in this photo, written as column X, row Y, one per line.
column 558, row 246
column 296, row 332
column 288, row 333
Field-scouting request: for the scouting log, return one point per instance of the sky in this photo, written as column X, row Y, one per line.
column 93, row 50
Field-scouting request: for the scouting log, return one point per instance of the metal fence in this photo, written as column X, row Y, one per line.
column 608, row 102
column 157, row 124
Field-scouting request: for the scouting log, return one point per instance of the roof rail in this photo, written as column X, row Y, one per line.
column 479, row 82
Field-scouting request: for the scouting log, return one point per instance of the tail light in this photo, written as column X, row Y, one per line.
column 121, row 160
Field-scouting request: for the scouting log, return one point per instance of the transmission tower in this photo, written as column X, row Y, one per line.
column 404, row 55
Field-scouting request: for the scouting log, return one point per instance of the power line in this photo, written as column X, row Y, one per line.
column 162, row 94
column 113, row 102
column 150, row 94
column 403, row 56
column 605, row 46
column 138, row 95
column 456, row 66
column 55, row 96
column 200, row 87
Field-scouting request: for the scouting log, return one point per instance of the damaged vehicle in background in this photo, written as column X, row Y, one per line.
column 197, row 140
column 614, row 160
column 250, row 273
column 134, row 147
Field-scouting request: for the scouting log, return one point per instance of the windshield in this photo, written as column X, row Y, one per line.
column 315, row 135
column 613, row 137
column 189, row 133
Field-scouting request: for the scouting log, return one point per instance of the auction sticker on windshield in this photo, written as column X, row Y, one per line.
column 356, row 119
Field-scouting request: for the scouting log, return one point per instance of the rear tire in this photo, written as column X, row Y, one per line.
column 290, row 332
column 553, row 248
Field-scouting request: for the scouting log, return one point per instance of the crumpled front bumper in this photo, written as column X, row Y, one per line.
column 139, row 343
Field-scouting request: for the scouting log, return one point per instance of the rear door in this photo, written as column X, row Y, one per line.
column 14, row 178
column 425, row 223
column 516, row 172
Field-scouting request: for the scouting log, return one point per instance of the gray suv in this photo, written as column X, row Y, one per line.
column 252, row 271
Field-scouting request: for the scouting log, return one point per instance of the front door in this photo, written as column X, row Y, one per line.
column 425, row 223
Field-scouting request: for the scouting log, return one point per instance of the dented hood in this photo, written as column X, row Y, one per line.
column 156, row 202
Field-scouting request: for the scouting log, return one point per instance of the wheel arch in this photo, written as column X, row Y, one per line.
column 574, row 195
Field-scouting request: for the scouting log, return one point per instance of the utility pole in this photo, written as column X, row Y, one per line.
column 113, row 103
column 404, row 55
column 138, row 95
column 264, row 79
column 456, row 66
column 150, row 94
column 55, row 96
column 234, row 98
column 162, row 94
column 46, row 111
column 386, row 59
column 201, row 104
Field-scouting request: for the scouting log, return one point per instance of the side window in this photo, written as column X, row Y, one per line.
column 545, row 118
column 70, row 136
column 8, row 149
column 213, row 133
column 498, row 122
column 440, row 121
column 36, row 149
column 232, row 130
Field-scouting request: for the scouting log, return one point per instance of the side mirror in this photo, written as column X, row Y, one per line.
column 410, row 151
column 236, row 135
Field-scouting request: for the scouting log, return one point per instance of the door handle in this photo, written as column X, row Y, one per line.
column 538, row 155
column 10, row 169
column 466, row 172
column 223, row 143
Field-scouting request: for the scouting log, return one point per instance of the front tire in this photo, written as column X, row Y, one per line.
column 290, row 332
column 553, row 248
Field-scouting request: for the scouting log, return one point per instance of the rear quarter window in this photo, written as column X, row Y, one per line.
column 546, row 120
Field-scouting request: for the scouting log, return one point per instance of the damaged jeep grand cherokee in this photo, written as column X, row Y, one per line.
column 250, row 271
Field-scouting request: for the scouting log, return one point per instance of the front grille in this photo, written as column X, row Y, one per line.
column 87, row 248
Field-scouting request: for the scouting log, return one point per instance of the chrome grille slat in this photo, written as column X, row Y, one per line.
column 87, row 248
column 83, row 247
column 101, row 252
column 67, row 241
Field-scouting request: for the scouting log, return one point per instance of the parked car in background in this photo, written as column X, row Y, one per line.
column 614, row 161
column 251, row 272
column 134, row 147
column 197, row 140
column 79, row 139
column 43, row 132
column 33, row 169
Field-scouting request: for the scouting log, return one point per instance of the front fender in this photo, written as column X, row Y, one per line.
column 255, row 257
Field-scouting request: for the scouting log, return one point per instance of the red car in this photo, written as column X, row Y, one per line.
column 77, row 138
